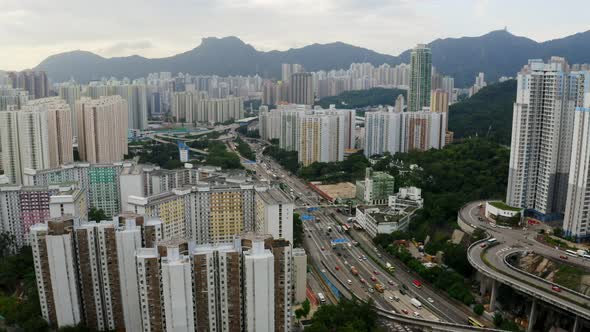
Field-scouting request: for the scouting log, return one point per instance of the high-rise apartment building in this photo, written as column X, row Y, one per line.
column 288, row 69
column 218, row 288
column 102, row 129
column 448, row 85
column 542, row 128
column 259, row 286
column 37, row 137
column 53, row 248
column 439, row 101
column 34, row 82
column 274, row 214
column 423, row 130
column 420, row 78
column 171, row 207
column 576, row 221
column 301, row 89
column 87, row 272
column 321, row 137
column 290, row 114
column 70, row 93
column 135, row 96
column 382, row 132
column 269, row 123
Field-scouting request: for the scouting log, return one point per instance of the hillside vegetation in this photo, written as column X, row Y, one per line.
column 486, row 114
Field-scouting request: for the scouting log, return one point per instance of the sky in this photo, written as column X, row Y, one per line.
column 31, row 30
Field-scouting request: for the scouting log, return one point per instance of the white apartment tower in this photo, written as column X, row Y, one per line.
column 37, row 137
column 274, row 214
column 259, row 289
column 55, row 270
column 542, row 123
column 176, row 281
column 102, row 129
column 382, row 132
column 576, row 221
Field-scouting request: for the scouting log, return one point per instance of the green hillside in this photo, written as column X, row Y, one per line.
column 488, row 113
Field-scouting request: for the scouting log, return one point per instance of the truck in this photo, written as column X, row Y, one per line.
column 354, row 271
column 416, row 303
column 389, row 267
column 379, row 288
column 321, row 298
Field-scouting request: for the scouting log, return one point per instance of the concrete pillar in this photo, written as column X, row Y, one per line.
column 482, row 285
column 576, row 324
column 532, row 316
column 493, row 295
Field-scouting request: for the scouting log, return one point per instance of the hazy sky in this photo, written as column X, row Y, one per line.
column 31, row 30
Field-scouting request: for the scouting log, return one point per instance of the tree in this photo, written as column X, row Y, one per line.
column 478, row 309
column 303, row 311
column 347, row 315
column 7, row 243
column 96, row 214
column 297, row 231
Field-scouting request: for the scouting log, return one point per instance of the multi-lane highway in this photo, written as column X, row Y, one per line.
column 435, row 305
column 491, row 260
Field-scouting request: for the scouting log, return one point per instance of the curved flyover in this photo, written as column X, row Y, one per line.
column 492, row 262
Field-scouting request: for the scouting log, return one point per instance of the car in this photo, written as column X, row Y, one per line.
column 376, row 272
column 556, row 288
column 483, row 245
column 323, row 248
column 391, row 282
column 373, row 278
column 363, row 281
column 349, row 282
column 379, row 255
column 337, row 268
column 405, row 311
column 309, row 236
column 390, row 298
column 416, row 314
column 430, row 300
column 371, row 290
column 563, row 256
column 360, row 258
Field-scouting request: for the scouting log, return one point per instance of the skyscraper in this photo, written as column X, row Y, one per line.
column 382, row 132
column 542, row 127
column 274, row 214
column 35, row 82
column 102, row 129
column 259, row 270
column 301, row 89
column 439, row 102
column 55, row 270
column 37, row 137
column 420, row 78
column 578, row 194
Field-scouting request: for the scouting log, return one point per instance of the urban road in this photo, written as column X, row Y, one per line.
column 335, row 264
column 491, row 260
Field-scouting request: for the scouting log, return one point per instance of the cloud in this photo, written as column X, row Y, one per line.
column 126, row 47
column 31, row 30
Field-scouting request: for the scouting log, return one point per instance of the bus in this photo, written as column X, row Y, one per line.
column 571, row 253
column 417, row 283
column 321, row 298
column 474, row 322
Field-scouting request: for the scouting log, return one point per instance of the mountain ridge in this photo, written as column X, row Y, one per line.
column 497, row 53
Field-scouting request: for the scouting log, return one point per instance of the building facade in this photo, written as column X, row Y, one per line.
column 420, row 78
